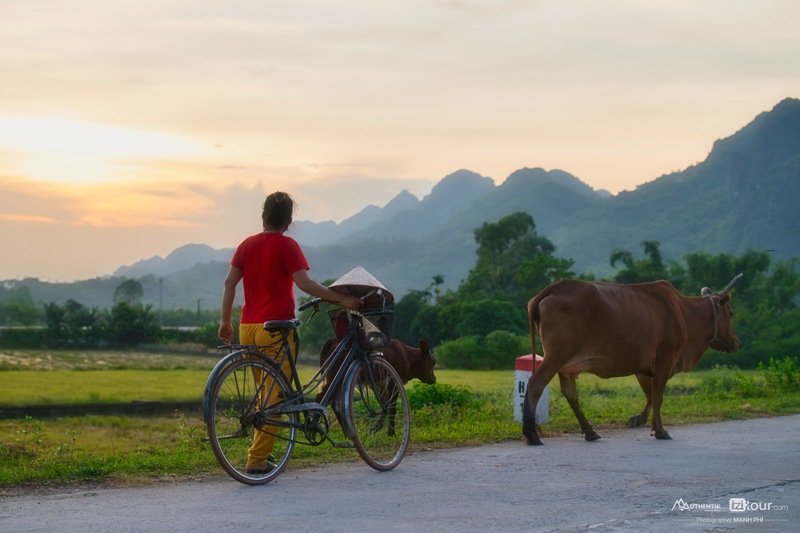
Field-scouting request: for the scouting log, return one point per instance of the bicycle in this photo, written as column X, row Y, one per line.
column 249, row 392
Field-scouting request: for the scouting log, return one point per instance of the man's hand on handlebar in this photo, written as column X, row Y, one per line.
column 350, row 302
column 345, row 300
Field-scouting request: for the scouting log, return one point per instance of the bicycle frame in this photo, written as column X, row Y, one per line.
column 346, row 352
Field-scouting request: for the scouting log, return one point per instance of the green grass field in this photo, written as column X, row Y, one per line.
column 65, row 377
column 113, row 448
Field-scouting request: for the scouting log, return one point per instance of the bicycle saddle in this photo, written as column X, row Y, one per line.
column 281, row 324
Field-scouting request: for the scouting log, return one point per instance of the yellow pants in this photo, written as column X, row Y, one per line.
column 256, row 334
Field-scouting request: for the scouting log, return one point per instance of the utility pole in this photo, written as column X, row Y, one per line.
column 198, row 310
column 161, row 302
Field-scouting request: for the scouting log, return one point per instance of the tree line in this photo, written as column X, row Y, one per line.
column 128, row 323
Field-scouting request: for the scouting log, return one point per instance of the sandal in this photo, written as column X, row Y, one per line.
column 266, row 468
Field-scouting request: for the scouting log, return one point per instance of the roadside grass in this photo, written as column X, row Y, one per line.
column 464, row 408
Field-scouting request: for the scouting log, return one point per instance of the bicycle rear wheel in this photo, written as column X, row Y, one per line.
column 376, row 409
column 241, row 400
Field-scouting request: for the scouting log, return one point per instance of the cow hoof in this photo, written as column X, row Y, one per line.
column 636, row 421
column 532, row 438
column 591, row 436
column 661, row 434
column 531, row 435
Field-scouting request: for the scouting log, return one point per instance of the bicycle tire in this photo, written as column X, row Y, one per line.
column 237, row 410
column 376, row 411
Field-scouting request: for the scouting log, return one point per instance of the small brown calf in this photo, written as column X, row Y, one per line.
column 409, row 362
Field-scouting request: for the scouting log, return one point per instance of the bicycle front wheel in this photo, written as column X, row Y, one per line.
column 377, row 413
column 251, row 442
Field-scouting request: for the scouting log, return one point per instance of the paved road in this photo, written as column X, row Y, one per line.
column 626, row 481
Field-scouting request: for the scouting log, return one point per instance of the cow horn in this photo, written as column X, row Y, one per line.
column 705, row 292
column 731, row 284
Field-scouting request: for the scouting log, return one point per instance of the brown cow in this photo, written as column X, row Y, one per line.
column 613, row 330
column 410, row 363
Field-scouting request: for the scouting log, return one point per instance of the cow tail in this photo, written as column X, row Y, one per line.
column 533, row 315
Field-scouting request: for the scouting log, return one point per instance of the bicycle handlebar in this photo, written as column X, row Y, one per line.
column 309, row 303
column 316, row 301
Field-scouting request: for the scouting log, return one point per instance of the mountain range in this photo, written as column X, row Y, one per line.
column 744, row 195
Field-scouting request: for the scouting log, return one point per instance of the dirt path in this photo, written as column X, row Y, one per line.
column 627, row 481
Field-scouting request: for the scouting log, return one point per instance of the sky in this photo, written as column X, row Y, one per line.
column 130, row 128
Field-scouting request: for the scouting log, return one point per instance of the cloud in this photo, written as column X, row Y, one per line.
column 22, row 200
column 27, row 218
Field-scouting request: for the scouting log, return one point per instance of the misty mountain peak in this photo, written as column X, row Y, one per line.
column 461, row 184
column 179, row 259
column 775, row 132
column 403, row 201
column 539, row 176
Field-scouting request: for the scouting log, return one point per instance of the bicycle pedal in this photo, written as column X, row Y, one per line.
column 343, row 445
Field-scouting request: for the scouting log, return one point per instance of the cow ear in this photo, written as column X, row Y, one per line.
column 725, row 299
column 424, row 347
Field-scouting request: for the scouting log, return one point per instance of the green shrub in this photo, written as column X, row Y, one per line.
column 748, row 386
column 729, row 380
column 783, row 375
column 504, row 347
column 424, row 395
column 204, row 335
column 23, row 338
column 497, row 350
column 465, row 352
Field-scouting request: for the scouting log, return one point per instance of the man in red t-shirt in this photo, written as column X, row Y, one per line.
column 269, row 264
column 272, row 258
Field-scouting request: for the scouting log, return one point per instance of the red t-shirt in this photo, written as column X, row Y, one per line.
column 267, row 262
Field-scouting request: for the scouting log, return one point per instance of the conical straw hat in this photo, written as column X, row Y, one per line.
column 359, row 282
